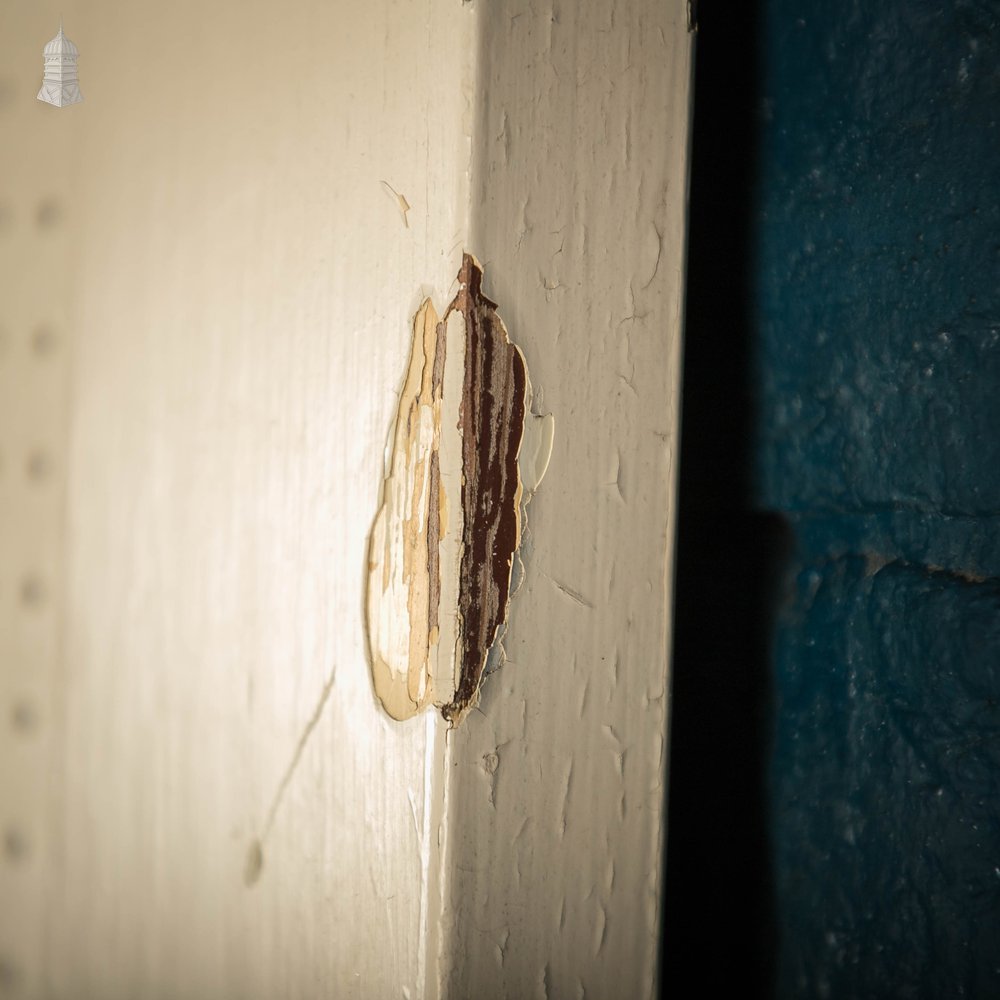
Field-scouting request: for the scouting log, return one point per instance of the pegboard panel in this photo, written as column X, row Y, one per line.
column 36, row 336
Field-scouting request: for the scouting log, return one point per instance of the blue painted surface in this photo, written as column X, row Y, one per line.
column 876, row 286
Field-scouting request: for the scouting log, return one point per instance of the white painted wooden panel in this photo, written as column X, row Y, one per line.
column 242, row 289
column 229, row 289
column 556, row 799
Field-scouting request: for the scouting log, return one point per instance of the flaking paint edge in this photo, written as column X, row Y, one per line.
column 466, row 455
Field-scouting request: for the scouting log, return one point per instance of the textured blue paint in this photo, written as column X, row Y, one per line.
column 877, row 284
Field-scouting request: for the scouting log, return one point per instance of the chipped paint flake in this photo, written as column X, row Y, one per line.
column 401, row 203
column 467, row 453
column 404, row 588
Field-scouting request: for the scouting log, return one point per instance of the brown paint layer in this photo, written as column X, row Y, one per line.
column 492, row 418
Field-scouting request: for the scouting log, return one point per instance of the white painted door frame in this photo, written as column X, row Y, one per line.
column 203, row 343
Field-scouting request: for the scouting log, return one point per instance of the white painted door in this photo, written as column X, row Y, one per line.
column 208, row 280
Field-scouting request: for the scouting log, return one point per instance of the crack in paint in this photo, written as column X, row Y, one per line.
column 254, row 863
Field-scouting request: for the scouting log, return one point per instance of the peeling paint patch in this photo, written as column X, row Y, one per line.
column 467, row 453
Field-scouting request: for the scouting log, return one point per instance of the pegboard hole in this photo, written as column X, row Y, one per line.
column 50, row 213
column 32, row 592
column 43, row 340
column 10, row 976
column 38, row 465
column 15, row 845
column 23, row 717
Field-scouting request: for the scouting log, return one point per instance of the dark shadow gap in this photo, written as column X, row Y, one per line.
column 719, row 928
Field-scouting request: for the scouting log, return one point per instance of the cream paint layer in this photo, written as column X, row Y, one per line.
column 411, row 539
